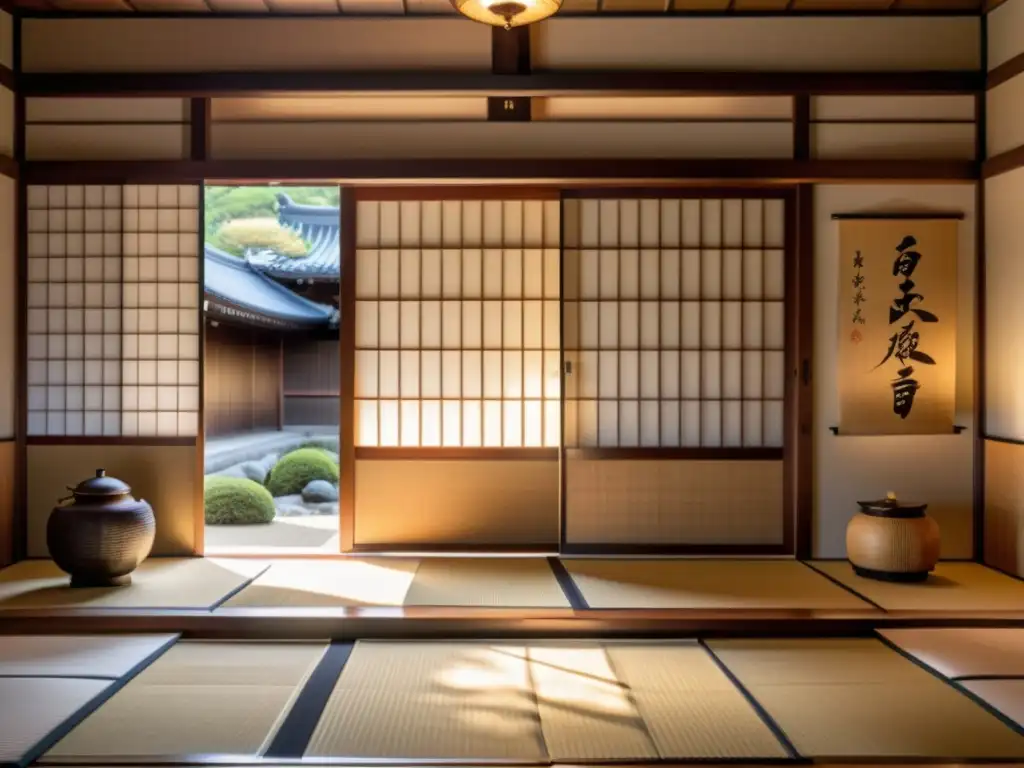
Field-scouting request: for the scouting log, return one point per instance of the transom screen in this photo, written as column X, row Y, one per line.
column 674, row 323
column 457, row 323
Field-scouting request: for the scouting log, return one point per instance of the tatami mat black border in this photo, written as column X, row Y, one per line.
column 1009, row 722
column 237, row 590
column 761, row 712
column 293, row 736
column 47, row 742
column 569, row 587
column 846, row 587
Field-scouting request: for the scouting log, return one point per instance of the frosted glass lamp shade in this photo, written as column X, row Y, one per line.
column 507, row 13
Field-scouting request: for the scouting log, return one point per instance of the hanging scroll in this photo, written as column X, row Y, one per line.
column 897, row 325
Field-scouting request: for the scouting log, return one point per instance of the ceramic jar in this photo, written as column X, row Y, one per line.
column 102, row 535
column 892, row 540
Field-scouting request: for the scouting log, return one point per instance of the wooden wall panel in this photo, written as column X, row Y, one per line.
column 346, row 107
column 165, row 476
column 775, row 43
column 508, row 140
column 663, row 108
column 155, row 44
column 1004, row 311
column 1004, row 506
column 893, row 141
column 899, row 108
column 6, row 122
column 935, row 469
column 6, row 40
column 8, row 470
column 1004, row 117
column 674, row 502
column 106, row 142
column 106, row 110
column 1005, row 33
column 472, row 503
column 242, row 381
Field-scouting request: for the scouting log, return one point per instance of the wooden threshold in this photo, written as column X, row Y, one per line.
column 486, row 623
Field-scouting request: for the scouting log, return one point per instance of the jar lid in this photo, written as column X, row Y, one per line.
column 101, row 485
column 891, row 504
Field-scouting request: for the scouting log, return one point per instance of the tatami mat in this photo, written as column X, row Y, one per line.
column 329, row 583
column 953, row 586
column 198, row 698
column 358, row 581
column 859, row 698
column 1007, row 696
column 157, row 583
column 32, row 708
column 560, row 701
column 424, row 700
column 777, row 584
column 959, row 652
column 106, row 656
column 513, row 582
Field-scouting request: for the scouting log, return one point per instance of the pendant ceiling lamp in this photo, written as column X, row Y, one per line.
column 507, row 13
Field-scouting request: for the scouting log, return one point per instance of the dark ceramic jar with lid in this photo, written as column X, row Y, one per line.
column 892, row 540
column 102, row 535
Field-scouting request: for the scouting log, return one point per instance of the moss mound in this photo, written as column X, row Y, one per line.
column 236, row 501
column 296, row 469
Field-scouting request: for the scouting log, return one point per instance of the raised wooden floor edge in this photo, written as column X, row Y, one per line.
column 420, row 623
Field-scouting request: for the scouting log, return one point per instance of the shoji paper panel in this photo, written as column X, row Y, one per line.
column 1004, row 506
column 74, row 310
column 160, row 396
column 674, row 323
column 457, row 323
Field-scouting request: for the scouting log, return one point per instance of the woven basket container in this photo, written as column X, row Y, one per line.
column 892, row 541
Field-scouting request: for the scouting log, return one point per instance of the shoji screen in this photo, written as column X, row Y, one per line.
column 674, row 313
column 457, row 371
column 113, row 347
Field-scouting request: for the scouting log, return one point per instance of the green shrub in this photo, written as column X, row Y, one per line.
column 236, row 501
column 296, row 469
column 240, row 234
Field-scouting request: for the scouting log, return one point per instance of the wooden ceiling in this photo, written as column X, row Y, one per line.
column 443, row 7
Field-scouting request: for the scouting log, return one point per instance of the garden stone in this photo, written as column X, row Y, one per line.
column 318, row 491
column 255, row 471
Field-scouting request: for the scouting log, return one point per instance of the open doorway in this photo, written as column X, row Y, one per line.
column 271, row 277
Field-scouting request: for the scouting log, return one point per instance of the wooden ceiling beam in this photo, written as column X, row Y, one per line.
column 537, row 83
column 545, row 170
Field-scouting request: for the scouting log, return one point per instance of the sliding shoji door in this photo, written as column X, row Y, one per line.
column 113, row 340
column 456, row 351
column 675, row 390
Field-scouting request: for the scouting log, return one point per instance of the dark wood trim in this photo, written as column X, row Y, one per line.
column 674, row 454
column 1004, row 162
column 50, row 11
column 890, row 215
column 199, row 511
column 455, row 454
column 568, row 585
column 980, row 315
column 765, row 190
column 800, row 472
column 537, row 549
column 20, row 524
column 510, row 51
column 1004, row 72
column 802, row 127
column 563, row 464
column 1006, row 440
column 481, row 623
column 95, row 440
column 586, row 170
column 796, row 362
column 420, row 192
column 536, row 83
column 311, row 393
column 199, row 128
column 347, row 383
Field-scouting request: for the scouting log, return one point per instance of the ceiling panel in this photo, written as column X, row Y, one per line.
column 433, row 7
column 171, row 6
column 634, row 6
column 98, row 6
column 304, row 6
column 760, row 5
column 701, row 5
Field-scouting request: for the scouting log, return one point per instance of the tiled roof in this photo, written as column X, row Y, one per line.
column 318, row 225
column 232, row 281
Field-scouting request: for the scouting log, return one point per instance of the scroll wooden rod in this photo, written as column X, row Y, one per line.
column 917, row 215
column 957, row 429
